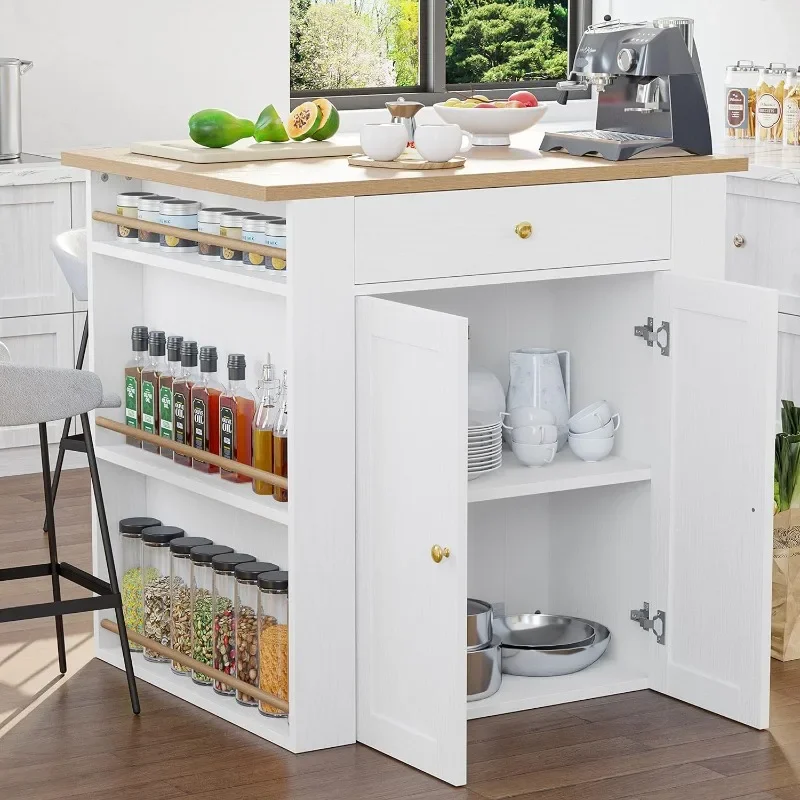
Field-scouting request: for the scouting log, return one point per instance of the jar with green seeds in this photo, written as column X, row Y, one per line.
column 202, row 608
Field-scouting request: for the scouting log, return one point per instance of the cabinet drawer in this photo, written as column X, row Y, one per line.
column 472, row 232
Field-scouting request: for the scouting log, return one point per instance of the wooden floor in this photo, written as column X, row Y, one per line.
column 82, row 741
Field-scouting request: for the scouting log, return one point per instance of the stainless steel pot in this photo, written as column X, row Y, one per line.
column 479, row 624
column 11, row 70
column 484, row 675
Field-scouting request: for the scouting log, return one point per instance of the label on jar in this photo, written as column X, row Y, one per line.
column 148, row 407
column 165, row 417
column 768, row 111
column 253, row 259
column 131, row 402
column 227, row 432
column 147, row 237
column 226, row 253
column 123, row 231
column 208, row 250
column 736, row 110
column 187, row 221
column 791, row 117
column 179, row 416
column 276, row 241
column 199, row 423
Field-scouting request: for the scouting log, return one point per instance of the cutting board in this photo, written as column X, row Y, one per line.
column 247, row 150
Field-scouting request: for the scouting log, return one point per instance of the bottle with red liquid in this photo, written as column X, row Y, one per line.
column 166, row 426
column 182, row 399
column 280, row 442
column 205, row 409
column 236, row 410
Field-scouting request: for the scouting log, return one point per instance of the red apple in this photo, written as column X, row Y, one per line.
column 526, row 98
column 486, row 105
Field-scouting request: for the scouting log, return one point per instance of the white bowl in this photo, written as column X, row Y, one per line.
column 590, row 418
column 606, row 432
column 534, row 455
column 485, row 392
column 491, row 126
column 530, row 415
column 535, row 434
column 591, row 449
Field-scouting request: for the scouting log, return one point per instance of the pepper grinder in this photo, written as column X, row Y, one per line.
column 403, row 112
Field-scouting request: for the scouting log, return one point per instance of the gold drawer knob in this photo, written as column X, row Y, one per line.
column 438, row 553
column 523, row 230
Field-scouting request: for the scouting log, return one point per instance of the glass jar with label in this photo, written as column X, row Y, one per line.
column 273, row 639
column 150, row 211
column 791, row 111
column 230, row 226
column 276, row 237
column 179, row 214
column 769, row 102
column 208, row 221
column 157, row 586
column 741, row 83
column 254, row 229
column 180, row 606
column 128, row 206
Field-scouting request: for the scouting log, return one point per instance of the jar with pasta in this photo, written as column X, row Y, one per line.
column 769, row 102
column 273, row 640
column 791, row 111
column 741, row 83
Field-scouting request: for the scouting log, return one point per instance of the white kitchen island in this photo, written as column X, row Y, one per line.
column 396, row 283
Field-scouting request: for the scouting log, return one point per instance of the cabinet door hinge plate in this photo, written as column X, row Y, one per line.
column 642, row 617
column 653, row 335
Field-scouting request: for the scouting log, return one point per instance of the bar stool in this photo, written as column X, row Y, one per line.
column 38, row 395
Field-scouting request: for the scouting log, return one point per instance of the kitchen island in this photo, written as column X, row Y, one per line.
column 397, row 282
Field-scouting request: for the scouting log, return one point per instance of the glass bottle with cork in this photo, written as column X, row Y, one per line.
column 165, row 383
column 182, row 400
column 133, row 381
column 205, row 409
column 151, row 375
column 280, row 443
column 266, row 410
column 236, row 412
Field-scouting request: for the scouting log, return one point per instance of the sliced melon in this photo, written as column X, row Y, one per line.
column 269, row 127
column 303, row 121
column 329, row 121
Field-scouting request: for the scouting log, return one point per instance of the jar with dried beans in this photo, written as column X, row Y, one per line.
column 157, row 586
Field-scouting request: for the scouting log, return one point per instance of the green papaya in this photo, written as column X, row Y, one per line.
column 213, row 127
column 270, row 127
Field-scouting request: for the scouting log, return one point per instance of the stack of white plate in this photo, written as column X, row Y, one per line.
column 485, row 444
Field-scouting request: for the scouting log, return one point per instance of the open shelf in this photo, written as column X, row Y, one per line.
column 237, row 495
column 567, row 472
column 604, row 677
column 191, row 264
column 275, row 730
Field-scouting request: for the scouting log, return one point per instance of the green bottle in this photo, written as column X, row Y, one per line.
column 213, row 127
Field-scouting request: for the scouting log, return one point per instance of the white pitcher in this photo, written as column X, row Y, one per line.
column 541, row 378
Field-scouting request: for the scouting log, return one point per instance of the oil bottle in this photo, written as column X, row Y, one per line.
column 236, row 410
column 133, row 381
column 269, row 390
column 182, row 399
column 280, row 443
column 151, row 375
column 165, row 383
column 205, row 409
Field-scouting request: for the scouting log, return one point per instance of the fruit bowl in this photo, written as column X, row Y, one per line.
column 491, row 126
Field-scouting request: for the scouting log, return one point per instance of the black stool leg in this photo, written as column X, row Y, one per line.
column 51, row 542
column 112, row 571
column 68, row 422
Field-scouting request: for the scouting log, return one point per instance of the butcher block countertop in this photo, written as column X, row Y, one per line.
column 310, row 178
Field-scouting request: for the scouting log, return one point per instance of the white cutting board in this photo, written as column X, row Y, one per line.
column 247, row 150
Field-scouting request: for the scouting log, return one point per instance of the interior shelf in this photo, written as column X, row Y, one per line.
column 605, row 677
column 237, row 495
column 567, row 472
column 191, row 264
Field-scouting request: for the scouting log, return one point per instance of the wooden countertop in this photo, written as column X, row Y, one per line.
column 308, row 178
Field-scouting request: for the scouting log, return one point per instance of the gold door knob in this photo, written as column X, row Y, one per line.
column 438, row 553
column 523, row 230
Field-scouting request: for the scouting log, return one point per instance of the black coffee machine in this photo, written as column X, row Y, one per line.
column 651, row 99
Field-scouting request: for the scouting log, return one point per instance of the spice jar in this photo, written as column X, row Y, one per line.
column 791, row 111
column 157, row 582
column 149, row 211
column 254, row 229
column 741, row 83
column 128, row 206
column 131, row 565
column 202, row 611
column 179, row 214
column 208, row 220
column 247, row 624
column 273, row 639
column 276, row 237
column 769, row 102
column 224, row 603
column 180, row 605
column 230, row 225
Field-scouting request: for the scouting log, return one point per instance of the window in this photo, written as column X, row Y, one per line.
column 361, row 53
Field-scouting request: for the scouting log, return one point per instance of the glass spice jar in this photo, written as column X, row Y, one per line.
column 254, row 229
column 131, row 585
column 276, row 237
column 202, row 610
column 230, row 226
column 769, row 102
column 208, row 220
column 247, row 624
column 157, row 583
column 273, row 639
column 224, row 603
column 149, row 211
column 180, row 604
column 179, row 214
column 128, row 206
column 741, row 83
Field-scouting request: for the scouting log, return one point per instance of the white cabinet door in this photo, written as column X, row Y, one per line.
column 411, row 410
column 712, row 494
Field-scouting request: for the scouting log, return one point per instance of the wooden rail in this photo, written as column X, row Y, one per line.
column 193, row 236
column 198, row 666
column 193, row 452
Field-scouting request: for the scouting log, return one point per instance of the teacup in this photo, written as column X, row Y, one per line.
column 383, row 141
column 590, row 418
column 535, row 434
column 606, row 432
column 534, row 455
column 439, row 143
column 591, row 449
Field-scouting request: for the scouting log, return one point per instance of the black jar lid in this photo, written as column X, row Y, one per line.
column 275, row 581
column 226, row 562
column 162, row 534
column 134, row 526
column 204, row 554
column 250, row 570
column 183, row 545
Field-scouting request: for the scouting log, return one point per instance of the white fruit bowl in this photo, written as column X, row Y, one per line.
column 491, row 126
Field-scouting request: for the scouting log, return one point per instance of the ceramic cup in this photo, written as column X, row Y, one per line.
column 590, row 418
column 534, row 455
column 591, row 449
column 606, row 432
column 530, row 415
column 439, row 143
column 383, row 141
column 535, row 434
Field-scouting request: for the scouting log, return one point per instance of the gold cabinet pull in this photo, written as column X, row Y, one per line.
column 438, row 553
column 523, row 230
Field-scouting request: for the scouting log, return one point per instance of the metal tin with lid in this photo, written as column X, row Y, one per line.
column 208, row 221
column 179, row 214
column 230, row 226
column 254, row 229
column 149, row 208
column 128, row 206
column 273, row 638
column 741, row 84
column 276, row 237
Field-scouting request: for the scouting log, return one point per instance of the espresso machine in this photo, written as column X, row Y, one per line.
column 651, row 99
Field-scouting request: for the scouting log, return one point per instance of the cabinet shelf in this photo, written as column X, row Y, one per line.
column 567, row 472
column 191, row 264
column 237, row 495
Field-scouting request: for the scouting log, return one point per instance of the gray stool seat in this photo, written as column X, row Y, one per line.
column 31, row 395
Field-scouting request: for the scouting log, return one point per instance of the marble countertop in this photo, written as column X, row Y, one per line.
column 29, row 173
column 768, row 162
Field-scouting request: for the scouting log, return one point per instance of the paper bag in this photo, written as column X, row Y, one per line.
column 786, row 585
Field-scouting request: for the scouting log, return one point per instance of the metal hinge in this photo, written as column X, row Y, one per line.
column 653, row 336
column 642, row 616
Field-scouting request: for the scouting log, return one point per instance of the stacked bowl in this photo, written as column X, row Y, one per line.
column 533, row 434
column 483, row 651
column 484, row 443
column 591, row 431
